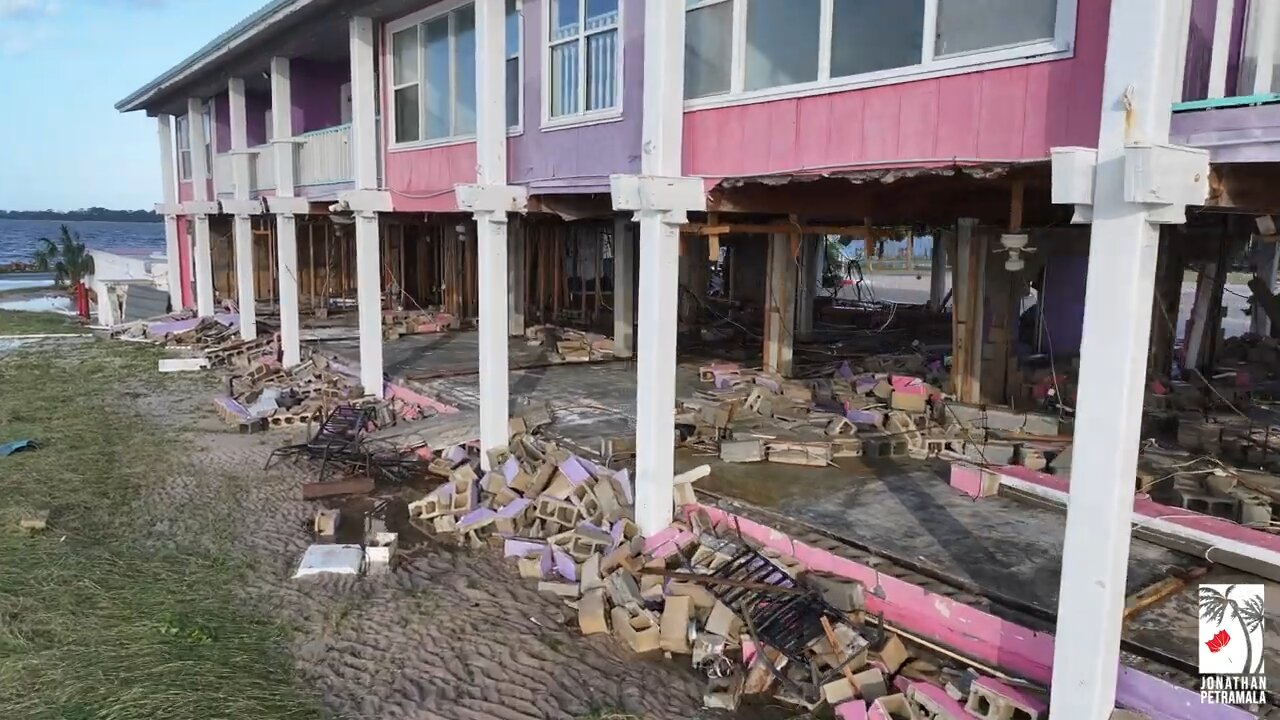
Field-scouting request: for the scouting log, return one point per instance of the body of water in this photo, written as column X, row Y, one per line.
column 18, row 238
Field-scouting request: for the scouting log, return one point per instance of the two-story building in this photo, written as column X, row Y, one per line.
column 576, row 160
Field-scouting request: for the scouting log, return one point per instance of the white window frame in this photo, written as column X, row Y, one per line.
column 182, row 140
column 583, row 116
column 1060, row 47
column 388, row 59
column 518, row 128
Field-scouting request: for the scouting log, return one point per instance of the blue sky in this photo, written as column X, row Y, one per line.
column 63, row 66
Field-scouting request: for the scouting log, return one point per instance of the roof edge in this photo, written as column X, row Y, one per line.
column 273, row 12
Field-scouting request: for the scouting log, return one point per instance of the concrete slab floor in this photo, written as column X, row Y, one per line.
column 904, row 509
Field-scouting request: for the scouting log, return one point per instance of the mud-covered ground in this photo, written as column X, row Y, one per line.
column 450, row 633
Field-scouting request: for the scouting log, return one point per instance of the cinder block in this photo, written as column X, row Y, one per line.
column 326, row 522
column 870, row 684
column 723, row 693
column 675, row 624
column 843, row 594
column 892, row 707
column 723, row 621
column 530, row 567
column 591, row 613
column 894, row 654
column 993, row 700
column 701, row 597
column 934, row 702
column 566, row 590
column 623, row 590
column 639, row 631
column 838, row 690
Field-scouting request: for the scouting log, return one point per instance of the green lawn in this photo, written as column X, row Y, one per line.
column 95, row 623
column 15, row 322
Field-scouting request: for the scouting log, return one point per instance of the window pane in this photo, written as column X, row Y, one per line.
column 969, row 25
column 782, row 42
column 513, row 29
column 564, row 18
column 464, row 43
column 513, row 92
column 404, row 51
column 708, row 50
column 407, row 114
column 564, row 79
column 436, row 78
column 870, row 35
column 602, row 70
column 184, row 164
column 601, row 14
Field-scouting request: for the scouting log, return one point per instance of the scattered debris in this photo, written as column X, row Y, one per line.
column 17, row 446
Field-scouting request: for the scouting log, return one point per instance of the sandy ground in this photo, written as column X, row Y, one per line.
column 448, row 634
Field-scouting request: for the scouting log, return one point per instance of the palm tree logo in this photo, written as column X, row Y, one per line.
column 1218, row 605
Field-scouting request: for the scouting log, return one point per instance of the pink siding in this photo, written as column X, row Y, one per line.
column 1008, row 114
column 184, row 263
column 423, row 180
column 185, row 192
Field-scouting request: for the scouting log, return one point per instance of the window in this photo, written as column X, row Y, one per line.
column 182, row 128
column 206, row 122
column 767, row 48
column 971, row 25
column 583, row 54
column 433, row 75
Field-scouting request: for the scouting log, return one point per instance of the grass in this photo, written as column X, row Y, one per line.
column 94, row 622
column 19, row 322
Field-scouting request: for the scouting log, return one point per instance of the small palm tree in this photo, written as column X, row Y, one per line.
column 69, row 259
column 1214, row 607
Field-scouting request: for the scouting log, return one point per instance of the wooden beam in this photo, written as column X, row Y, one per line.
column 776, row 229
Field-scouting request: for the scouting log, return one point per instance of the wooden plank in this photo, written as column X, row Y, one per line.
column 356, row 486
column 775, row 228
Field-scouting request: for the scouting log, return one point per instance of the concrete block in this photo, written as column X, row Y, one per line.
column 699, row 594
column 622, row 589
column 530, row 568
column 870, row 684
column 993, row 700
column 841, row 593
column 894, row 654
column 566, row 590
column 838, row 691
column 592, row 609
column 974, row 481
column 935, row 703
column 675, row 624
column 742, row 451
column 723, row 621
column 723, row 693
column 892, row 707
column 589, row 575
column 639, row 631
column 325, row 523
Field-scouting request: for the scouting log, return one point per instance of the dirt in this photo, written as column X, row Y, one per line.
column 449, row 633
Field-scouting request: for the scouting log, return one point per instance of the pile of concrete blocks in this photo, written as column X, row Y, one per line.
column 397, row 323
column 567, row 345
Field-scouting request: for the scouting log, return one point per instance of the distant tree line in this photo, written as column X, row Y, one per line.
column 94, row 213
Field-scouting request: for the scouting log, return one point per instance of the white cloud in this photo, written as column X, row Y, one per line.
column 10, row 9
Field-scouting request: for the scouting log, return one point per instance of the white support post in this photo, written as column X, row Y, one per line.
column 661, row 201
column 1266, row 43
column 1136, row 181
column 516, row 278
column 937, row 273
column 242, row 227
column 1264, row 263
column 169, row 181
column 364, row 150
column 200, row 191
column 624, row 288
column 285, row 211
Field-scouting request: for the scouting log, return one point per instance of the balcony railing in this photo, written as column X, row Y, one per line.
column 323, row 157
column 1232, row 54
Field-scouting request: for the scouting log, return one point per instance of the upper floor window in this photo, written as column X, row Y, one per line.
column 182, row 130
column 433, row 73
column 753, row 47
column 583, row 52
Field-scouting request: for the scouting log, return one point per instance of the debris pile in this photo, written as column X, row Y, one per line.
column 568, row 345
column 753, row 620
column 396, row 323
column 752, row 416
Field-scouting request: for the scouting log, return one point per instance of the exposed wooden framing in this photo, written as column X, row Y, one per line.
column 713, row 229
column 780, row 303
column 1016, row 194
column 969, row 279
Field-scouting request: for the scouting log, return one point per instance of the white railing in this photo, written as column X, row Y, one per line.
column 223, row 175
column 1211, row 52
column 324, row 157
column 262, row 168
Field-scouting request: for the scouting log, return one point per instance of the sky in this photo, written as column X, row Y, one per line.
column 64, row 64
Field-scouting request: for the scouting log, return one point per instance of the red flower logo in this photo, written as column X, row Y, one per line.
column 1219, row 641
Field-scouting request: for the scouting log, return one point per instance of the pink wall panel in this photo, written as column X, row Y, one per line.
column 423, row 180
column 1012, row 113
column 185, row 192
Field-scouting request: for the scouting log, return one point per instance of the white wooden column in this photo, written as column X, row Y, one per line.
column 780, row 305
column 242, row 227
column 624, row 288
column 200, row 192
column 517, row 273
column 367, row 203
column 937, row 272
column 286, row 208
column 1127, row 199
column 661, row 200
column 169, row 181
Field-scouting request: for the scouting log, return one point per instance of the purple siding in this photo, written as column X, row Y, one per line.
column 256, row 107
column 1240, row 134
column 578, row 159
column 317, row 96
column 221, row 123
